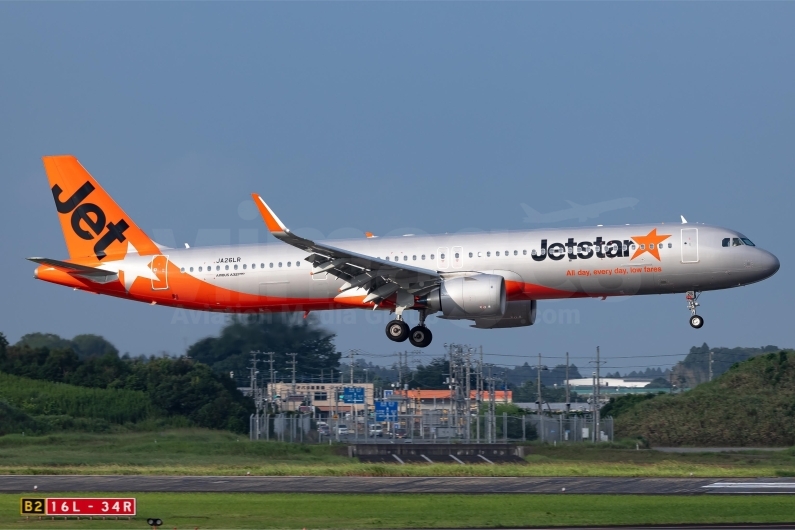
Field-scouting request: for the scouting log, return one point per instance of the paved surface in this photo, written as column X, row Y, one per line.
column 139, row 483
column 716, row 449
column 751, row 526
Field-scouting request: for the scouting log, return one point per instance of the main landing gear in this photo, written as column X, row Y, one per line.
column 692, row 303
column 419, row 336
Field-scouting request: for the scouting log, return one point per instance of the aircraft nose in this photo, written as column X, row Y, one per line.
column 769, row 263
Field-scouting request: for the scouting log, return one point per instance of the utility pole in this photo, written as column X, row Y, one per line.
column 596, row 397
column 540, row 401
column 293, row 363
column 710, row 366
column 468, row 392
column 479, row 397
column 272, row 388
column 256, row 394
column 351, row 355
column 492, row 409
column 568, row 397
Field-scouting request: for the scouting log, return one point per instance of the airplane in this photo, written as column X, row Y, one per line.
column 577, row 211
column 493, row 280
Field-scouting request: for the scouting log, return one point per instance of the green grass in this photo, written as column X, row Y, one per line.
column 206, row 452
column 250, row 510
column 53, row 399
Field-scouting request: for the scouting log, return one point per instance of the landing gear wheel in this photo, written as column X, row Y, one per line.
column 696, row 321
column 420, row 336
column 397, row 330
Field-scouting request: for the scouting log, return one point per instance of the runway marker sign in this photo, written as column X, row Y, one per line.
column 78, row 506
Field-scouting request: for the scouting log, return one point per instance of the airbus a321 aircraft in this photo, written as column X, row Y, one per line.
column 493, row 280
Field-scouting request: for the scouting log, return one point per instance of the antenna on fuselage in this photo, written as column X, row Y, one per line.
column 684, row 221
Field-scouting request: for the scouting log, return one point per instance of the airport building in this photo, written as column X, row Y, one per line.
column 321, row 399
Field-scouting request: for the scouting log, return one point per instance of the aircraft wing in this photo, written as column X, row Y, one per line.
column 357, row 270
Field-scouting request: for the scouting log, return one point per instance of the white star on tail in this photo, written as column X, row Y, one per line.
column 132, row 265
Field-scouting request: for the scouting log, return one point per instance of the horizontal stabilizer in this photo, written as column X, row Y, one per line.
column 72, row 268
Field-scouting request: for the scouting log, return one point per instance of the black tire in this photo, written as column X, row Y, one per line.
column 697, row 321
column 397, row 330
column 420, row 336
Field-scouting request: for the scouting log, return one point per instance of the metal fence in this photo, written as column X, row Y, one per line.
column 432, row 426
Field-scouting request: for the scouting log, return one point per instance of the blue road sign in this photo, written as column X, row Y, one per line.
column 353, row 395
column 386, row 410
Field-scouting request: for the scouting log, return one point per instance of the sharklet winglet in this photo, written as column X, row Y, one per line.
column 272, row 221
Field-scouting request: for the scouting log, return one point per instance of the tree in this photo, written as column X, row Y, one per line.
column 282, row 334
column 89, row 346
column 432, row 376
column 44, row 340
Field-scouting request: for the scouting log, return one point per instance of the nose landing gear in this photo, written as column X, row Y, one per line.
column 696, row 321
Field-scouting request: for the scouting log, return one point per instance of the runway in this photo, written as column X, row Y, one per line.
column 474, row 485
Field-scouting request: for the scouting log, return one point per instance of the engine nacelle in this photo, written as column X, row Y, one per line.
column 469, row 297
column 517, row 315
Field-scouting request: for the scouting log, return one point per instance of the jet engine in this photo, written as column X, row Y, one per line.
column 469, row 297
column 517, row 314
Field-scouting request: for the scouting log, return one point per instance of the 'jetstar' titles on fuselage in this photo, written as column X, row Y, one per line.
column 600, row 248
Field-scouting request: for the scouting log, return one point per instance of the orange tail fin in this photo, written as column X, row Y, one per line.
column 93, row 225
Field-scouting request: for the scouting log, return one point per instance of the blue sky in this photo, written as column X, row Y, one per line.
column 404, row 117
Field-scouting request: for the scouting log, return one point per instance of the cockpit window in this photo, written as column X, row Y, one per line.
column 725, row 242
column 747, row 242
column 736, row 242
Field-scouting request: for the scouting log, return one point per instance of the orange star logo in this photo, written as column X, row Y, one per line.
column 649, row 243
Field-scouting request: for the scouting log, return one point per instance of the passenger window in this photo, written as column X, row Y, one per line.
column 441, row 256
column 280, row 264
column 533, row 253
column 423, row 257
column 432, row 257
column 507, row 253
column 670, row 245
column 226, row 267
column 524, row 253
column 200, row 269
column 289, row 263
column 414, row 257
column 457, row 255
column 480, row 254
column 235, row 267
column 397, row 258
column 297, row 263
column 651, row 246
column 515, row 252
column 406, row 257
column 191, row 269
column 643, row 247
column 182, row 269
column 488, row 254
column 470, row 254
column 497, row 253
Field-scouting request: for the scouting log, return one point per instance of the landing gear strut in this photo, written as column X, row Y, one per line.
column 421, row 336
column 692, row 303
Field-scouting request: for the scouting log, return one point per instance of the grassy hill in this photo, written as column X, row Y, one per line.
column 28, row 404
column 752, row 404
